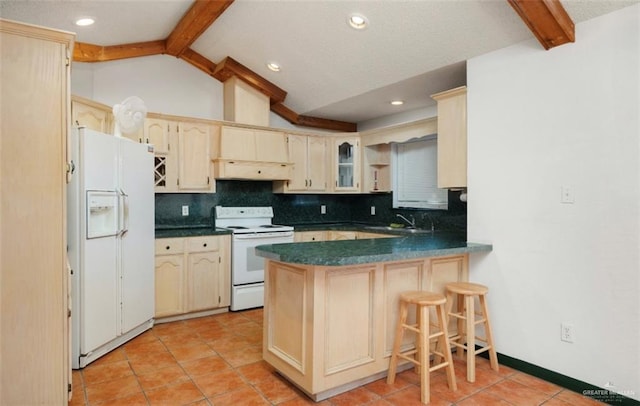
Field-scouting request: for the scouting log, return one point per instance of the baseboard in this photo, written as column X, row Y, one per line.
column 575, row 385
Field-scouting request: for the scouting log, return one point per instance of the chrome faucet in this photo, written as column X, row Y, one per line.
column 430, row 220
column 412, row 223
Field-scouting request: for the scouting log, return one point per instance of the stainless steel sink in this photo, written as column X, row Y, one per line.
column 405, row 230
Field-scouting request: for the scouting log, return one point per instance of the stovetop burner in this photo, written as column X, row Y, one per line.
column 248, row 220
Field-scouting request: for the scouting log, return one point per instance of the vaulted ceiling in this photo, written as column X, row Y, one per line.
column 332, row 76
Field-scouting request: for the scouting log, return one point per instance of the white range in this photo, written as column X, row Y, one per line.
column 251, row 226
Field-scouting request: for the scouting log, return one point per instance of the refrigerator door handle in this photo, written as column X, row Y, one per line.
column 125, row 213
column 123, row 221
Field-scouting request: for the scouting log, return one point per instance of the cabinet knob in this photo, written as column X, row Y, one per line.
column 204, row 245
column 168, row 247
column 259, row 171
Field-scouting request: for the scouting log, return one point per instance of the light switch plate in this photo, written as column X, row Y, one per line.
column 323, row 209
column 185, row 210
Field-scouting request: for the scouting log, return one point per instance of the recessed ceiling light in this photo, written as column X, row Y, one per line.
column 397, row 102
column 273, row 66
column 83, row 22
column 358, row 21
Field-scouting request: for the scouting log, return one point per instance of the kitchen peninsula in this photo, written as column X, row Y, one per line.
column 331, row 307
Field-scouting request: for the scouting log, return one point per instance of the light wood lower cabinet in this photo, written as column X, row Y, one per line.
column 309, row 236
column 192, row 274
column 333, row 235
column 310, row 338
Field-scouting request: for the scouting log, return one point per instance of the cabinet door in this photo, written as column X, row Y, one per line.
column 169, row 285
column 237, row 143
column 166, row 165
column 91, row 117
column 193, row 156
column 156, row 132
column 317, row 163
column 452, row 138
column 347, row 164
column 298, row 155
column 204, row 276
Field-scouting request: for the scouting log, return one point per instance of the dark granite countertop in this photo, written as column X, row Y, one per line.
column 351, row 252
column 189, row 232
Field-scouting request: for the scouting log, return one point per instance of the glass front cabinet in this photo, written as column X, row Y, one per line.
column 347, row 164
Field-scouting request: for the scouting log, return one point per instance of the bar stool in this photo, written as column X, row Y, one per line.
column 423, row 301
column 467, row 321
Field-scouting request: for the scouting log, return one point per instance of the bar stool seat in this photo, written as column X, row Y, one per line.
column 420, row 355
column 465, row 339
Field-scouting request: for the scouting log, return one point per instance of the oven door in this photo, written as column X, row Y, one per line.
column 246, row 266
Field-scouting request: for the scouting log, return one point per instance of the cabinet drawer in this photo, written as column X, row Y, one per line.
column 201, row 244
column 169, row 246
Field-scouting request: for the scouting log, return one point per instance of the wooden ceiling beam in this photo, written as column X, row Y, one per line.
column 229, row 67
column 83, row 52
column 547, row 19
column 199, row 61
column 308, row 121
column 196, row 20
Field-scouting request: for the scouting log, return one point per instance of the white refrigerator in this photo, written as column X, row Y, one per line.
column 110, row 204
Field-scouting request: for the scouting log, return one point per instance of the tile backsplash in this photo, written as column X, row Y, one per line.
column 298, row 209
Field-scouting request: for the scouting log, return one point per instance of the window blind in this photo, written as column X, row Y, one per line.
column 417, row 176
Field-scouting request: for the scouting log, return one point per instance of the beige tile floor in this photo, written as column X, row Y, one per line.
column 217, row 360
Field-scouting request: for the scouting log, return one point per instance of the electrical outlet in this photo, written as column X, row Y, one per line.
column 566, row 194
column 373, row 210
column 566, row 332
column 185, row 210
column 323, row 209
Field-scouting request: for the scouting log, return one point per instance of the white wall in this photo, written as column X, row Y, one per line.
column 166, row 84
column 399, row 118
column 171, row 86
column 539, row 120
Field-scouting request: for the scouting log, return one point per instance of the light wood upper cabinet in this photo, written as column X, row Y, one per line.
column 317, row 163
column 34, row 287
column 452, row 138
column 156, row 132
column 185, row 165
column 346, row 164
column 194, row 159
column 309, row 156
column 377, row 168
column 91, row 115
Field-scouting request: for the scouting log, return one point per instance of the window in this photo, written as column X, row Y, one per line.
column 415, row 175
